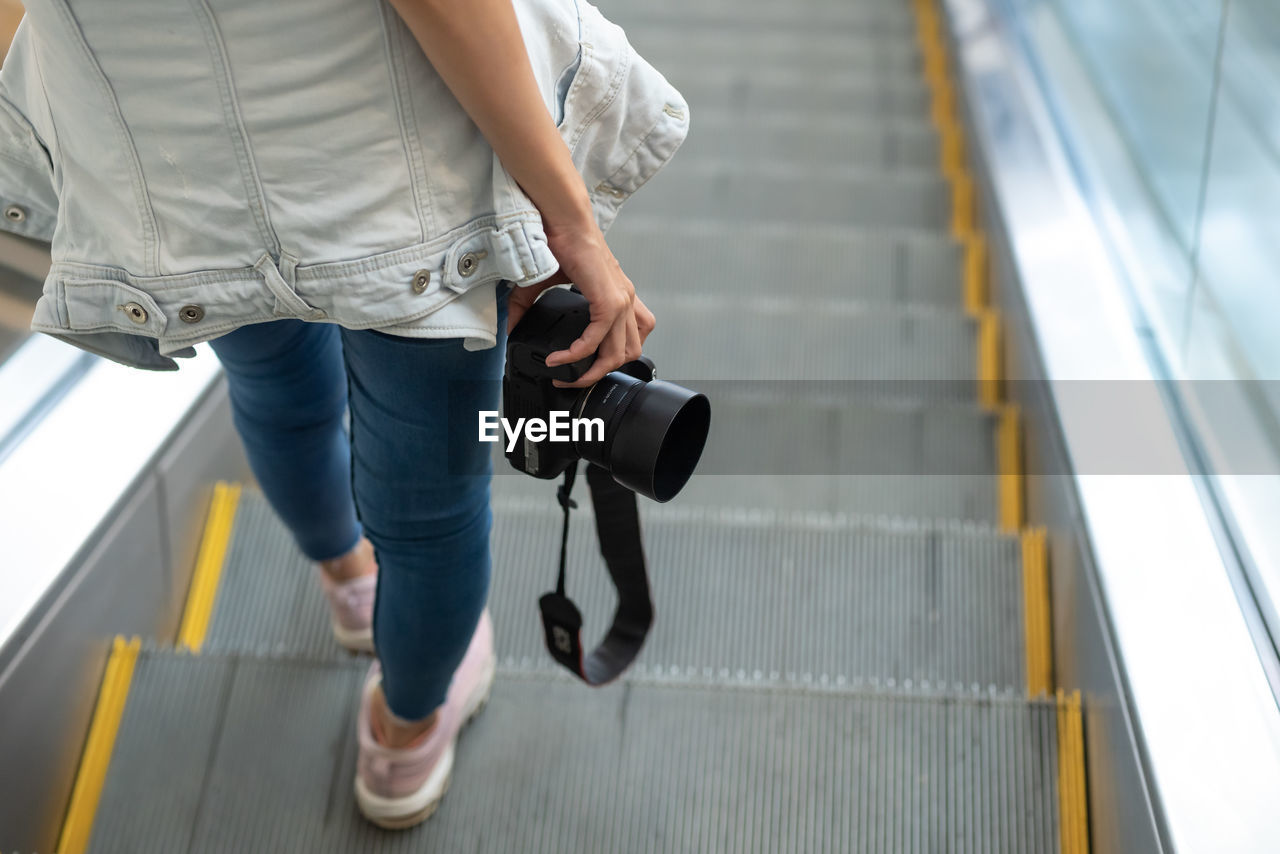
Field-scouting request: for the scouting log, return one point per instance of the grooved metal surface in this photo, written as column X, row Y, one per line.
column 800, row 194
column 689, row 767
column 970, row 498
column 895, row 19
column 670, row 47
column 707, row 337
column 849, row 598
column 837, row 142
column 268, row 600
column 694, row 257
column 801, row 95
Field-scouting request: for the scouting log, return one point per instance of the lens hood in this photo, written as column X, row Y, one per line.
column 659, row 439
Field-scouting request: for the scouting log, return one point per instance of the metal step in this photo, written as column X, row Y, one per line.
column 827, row 141
column 803, row 95
column 219, row 754
column 816, row 50
column 888, row 20
column 702, row 337
column 855, row 17
column 971, row 498
column 844, row 599
column 691, row 256
column 775, row 193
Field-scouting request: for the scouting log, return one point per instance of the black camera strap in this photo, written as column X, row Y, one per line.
column 618, row 529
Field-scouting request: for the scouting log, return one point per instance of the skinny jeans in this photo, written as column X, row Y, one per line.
column 410, row 474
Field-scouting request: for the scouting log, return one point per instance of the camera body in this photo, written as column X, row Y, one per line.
column 647, row 433
column 555, row 321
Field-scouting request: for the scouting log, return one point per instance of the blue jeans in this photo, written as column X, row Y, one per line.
column 413, row 475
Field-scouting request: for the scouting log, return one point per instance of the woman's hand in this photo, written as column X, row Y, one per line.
column 620, row 322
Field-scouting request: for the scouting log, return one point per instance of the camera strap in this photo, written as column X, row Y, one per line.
column 618, row 529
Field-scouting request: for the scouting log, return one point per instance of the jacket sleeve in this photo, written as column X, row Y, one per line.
column 620, row 118
column 28, row 199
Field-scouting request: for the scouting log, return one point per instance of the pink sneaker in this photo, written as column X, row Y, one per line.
column 400, row 788
column 351, row 609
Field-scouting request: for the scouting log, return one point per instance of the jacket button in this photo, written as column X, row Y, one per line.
column 191, row 314
column 421, row 279
column 136, row 313
column 15, row 213
column 467, row 264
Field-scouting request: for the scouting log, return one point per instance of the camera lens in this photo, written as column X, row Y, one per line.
column 654, row 433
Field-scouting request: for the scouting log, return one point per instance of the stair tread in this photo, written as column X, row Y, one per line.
column 774, row 592
column 750, row 192
column 728, row 137
column 704, row 337
column 758, row 259
column 551, row 765
column 765, row 90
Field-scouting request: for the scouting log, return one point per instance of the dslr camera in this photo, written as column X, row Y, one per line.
column 648, row 434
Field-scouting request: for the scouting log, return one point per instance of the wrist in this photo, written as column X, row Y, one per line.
column 567, row 210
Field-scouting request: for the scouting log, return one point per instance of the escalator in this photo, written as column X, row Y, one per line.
column 852, row 648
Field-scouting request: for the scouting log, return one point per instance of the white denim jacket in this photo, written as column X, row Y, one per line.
column 207, row 164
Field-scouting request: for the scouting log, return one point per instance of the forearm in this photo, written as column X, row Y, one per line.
column 477, row 49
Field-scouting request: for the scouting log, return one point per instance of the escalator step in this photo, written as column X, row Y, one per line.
column 704, row 337
column 675, row 44
column 220, row 754
column 833, row 142
column 751, row 91
column 731, row 193
column 776, row 593
column 892, row 21
column 706, row 257
column 854, row 14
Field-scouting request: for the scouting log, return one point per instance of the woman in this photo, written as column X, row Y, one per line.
column 339, row 194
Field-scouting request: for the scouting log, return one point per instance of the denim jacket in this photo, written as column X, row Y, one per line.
column 202, row 165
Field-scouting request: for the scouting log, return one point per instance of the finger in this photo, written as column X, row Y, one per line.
column 605, row 311
column 609, row 357
column 590, row 341
column 645, row 321
column 633, row 338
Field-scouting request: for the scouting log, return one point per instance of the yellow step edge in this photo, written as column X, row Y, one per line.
column 208, row 571
column 962, row 205
column 990, row 366
column 975, row 274
column 92, row 774
column 1009, row 466
column 951, row 150
column 1036, row 619
column 942, row 104
column 1073, row 817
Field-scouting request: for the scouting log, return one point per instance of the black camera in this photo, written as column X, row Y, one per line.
column 648, row 434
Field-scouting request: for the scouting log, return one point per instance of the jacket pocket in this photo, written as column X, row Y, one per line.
column 28, row 194
column 563, row 85
column 28, row 201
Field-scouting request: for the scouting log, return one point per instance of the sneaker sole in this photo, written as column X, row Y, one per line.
column 355, row 640
column 411, row 810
